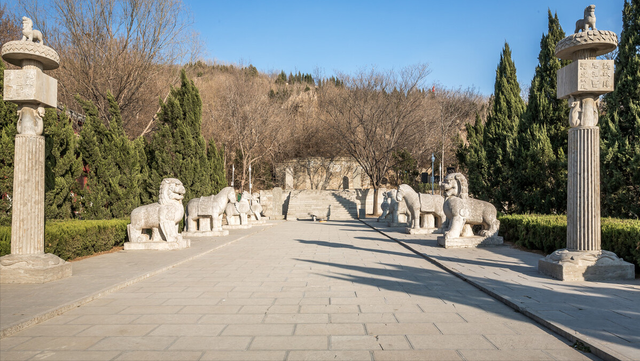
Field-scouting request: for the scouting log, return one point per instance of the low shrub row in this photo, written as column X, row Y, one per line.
column 74, row 238
column 549, row 233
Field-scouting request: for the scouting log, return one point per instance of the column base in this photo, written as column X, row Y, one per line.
column 567, row 265
column 158, row 245
column 205, row 234
column 469, row 242
column 422, row 230
column 33, row 268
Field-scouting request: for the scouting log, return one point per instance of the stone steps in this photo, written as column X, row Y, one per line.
column 337, row 205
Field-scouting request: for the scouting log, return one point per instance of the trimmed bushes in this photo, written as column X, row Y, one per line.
column 74, row 238
column 549, row 232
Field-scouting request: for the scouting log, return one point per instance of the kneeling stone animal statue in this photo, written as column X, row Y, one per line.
column 462, row 210
column 162, row 217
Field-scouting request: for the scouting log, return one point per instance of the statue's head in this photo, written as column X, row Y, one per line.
column 171, row 190
column 590, row 10
column 455, row 185
column 27, row 24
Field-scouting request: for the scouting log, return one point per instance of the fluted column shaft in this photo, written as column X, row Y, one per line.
column 583, row 199
column 27, row 227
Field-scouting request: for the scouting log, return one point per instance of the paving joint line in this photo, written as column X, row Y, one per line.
column 571, row 335
column 59, row 310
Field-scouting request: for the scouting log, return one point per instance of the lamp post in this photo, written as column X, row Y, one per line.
column 433, row 159
column 233, row 173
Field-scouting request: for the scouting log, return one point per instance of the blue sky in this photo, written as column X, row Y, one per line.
column 460, row 40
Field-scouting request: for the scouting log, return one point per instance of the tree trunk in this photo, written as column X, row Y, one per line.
column 375, row 202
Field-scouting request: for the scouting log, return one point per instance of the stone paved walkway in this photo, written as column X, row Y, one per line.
column 602, row 315
column 294, row 291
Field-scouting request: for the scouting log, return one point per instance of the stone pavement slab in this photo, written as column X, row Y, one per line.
column 604, row 316
column 295, row 291
column 23, row 305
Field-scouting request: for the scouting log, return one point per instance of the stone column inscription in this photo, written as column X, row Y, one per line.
column 32, row 90
column 582, row 82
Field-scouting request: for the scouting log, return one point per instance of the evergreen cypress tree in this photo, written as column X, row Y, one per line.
column 501, row 132
column 62, row 165
column 124, row 187
column 473, row 158
column 178, row 149
column 8, row 121
column 216, row 162
column 620, row 124
column 113, row 161
column 99, row 169
column 540, row 173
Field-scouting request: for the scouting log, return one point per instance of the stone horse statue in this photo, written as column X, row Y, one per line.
column 420, row 205
column 162, row 217
column 207, row 211
column 236, row 213
column 461, row 210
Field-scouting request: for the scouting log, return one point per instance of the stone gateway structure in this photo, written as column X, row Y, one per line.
column 582, row 82
column 33, row 91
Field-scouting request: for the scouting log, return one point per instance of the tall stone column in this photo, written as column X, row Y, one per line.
column 582, row 82
column 32, row 90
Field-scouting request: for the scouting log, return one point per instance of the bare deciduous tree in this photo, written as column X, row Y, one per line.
column 120, row 46
column 250, row 122
column 455, row 107
column 9, row 25
column 374, row 115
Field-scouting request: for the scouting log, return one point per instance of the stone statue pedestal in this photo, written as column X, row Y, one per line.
column 158, row 245
column 469, row 242
column 205, row 234
column 410, row 230
column 236, row 226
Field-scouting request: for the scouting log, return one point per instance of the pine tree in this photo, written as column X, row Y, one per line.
column 178, row 149
column 501, row 132
column 8, row 121
column 62, row 166
column 540, row 173
column 620, row 124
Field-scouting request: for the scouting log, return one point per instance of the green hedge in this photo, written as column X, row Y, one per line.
column 75, row 238
column 548, row 233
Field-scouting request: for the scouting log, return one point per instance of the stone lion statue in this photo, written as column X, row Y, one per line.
column 461, row 210
column 28, row 34
column 589, row 20
column 162, row 217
